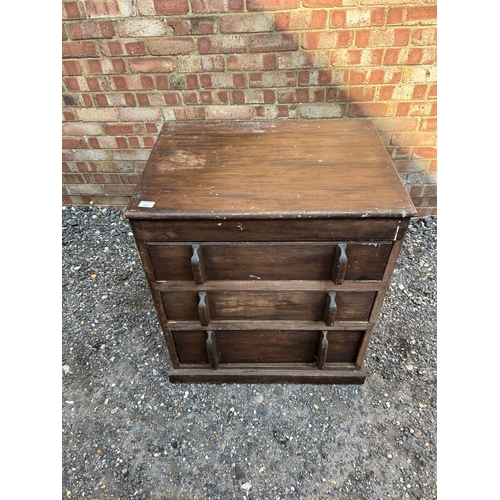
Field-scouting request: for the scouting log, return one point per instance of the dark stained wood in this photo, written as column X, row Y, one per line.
column 337, row 375
column 280, row 306
column 203, row 309
column 271, row 261
column 197, row 265
column 268, row 257
column 340, row 265
column 211, row 344
column 265, row 169
column 323, row 349
column 219, row 229
column 330, row 309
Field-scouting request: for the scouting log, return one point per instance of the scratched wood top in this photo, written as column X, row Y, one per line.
column 270, row 169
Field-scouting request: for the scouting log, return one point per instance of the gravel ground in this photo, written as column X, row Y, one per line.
column 128, row 433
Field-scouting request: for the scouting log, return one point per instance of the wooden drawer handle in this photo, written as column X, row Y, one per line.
column 323, row 349
column 331, row 308
column 203, row 309
column 213, row 357
column 198, row 265
column 339, row 264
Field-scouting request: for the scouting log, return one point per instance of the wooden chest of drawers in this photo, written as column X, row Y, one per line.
column 268, row 246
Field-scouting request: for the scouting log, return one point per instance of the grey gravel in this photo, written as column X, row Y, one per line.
column 128, row 433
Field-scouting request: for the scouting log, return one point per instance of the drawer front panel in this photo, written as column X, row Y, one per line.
column 261, row 346
column 338, row 229
column 270, row 262
column 257, row 305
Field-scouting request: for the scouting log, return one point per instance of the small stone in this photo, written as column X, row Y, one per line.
column 409, row 367
column 389, row 456
column 246, row 486
column 66, row 369
column 259, row 399
column 104, row 297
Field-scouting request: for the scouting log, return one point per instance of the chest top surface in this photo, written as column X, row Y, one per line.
column 269, row 169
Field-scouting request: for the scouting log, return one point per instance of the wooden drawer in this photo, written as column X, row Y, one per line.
column 279, row 261
column 250, row 305
column 314, row 229
column 268, row 346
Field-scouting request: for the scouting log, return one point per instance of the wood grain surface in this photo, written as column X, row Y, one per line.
column 269, row 169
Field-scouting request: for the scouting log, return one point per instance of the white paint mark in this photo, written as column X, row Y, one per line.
column 254, row 277
column 147, row 204
column 396, row 235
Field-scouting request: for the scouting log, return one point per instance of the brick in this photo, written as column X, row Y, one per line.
column 363, row 93
column 74, row 143
column 253, row 97
column 412, row 15
column 199, row 25
column 108, row 142
column 414, row 139
column 321, row 110
column 184, row 113
column 130, row 154
column 166, row 46
column 120, row 48
column 428, row 124
column 152, row 128
column 425, row 152
column 115, row 99
column 272, row 4
column 229, row 112
column 424, row 36
column 80, row 100
column 369, row 109
column 430, row 191
column 96, row 115
column 383, row 37
column 114, row 166
column 96, row 178
column 141, row 142
column 388, row 2
column 190, row 64
column 104, row 66
column 323, row 3
column 273, row 42
column 327, row 39
column 301, row 20
column 123, row 128
column 161, row 82
column 139, row 114
column 75, row 129
column 80, row 83
column 152, row 64
column 181, row 82
column 102, row 8
column 67, row 155
column 167, row 7
column 273, row 79
column 132, row 82
column 323, row 77
column 119, row 189
column 159, row 99
column 73, row 179
column 295, row 95
column 130, row 178
column 419, row 74
column 357, row 18
column 389, row 124
column 313, row 59
column 89, row 189
column 414, row 108
column 411, row 165
column 222, row 44
column 141, row 27
column 79, row 49
column 360, row 57
column 73, row 10
column 71, row 67
column 90, row 29
column 246, row 23
column 251, row 62
column 223, row 80
column 92, row 154
column 204, row 7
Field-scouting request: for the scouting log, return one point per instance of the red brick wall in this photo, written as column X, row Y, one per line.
column 130, row 65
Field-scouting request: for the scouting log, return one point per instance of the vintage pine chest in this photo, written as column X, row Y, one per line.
column 268, row 246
